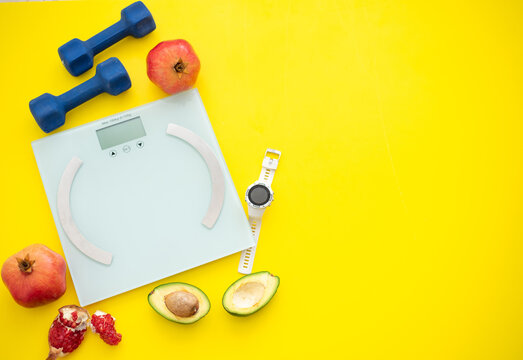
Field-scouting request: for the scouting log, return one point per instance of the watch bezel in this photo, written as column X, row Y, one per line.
column 268, row 203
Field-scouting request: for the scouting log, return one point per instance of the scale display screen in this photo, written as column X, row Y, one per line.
column 119, row 133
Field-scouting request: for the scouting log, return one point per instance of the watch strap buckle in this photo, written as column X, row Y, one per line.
column 269, row 162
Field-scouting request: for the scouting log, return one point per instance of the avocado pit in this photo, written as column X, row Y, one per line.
column 182, row 303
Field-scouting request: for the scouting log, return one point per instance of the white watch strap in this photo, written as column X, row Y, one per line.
column 247, row 258
column 269, row 166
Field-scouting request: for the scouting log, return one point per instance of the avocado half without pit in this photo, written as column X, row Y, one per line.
column 179, row 302
column 250, row 293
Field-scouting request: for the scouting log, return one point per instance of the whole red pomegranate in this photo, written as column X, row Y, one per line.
column 173, row 66
column 35, row 275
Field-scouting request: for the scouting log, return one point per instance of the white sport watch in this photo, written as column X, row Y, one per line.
column 258, row 197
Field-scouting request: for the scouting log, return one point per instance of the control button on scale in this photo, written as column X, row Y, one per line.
column 112, row 153
column 126, row 148
column 139, row 144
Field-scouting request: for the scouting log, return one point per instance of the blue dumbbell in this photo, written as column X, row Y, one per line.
column 49, row 110
column 77, row 55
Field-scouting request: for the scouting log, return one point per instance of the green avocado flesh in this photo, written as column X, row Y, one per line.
column 250, row 293
column 179, row 302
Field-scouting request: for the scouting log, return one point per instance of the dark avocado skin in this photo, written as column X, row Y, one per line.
column 260, row 307
column 177, row 322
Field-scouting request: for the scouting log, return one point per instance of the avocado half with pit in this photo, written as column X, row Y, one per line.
column 179, row 302
column 250, row 293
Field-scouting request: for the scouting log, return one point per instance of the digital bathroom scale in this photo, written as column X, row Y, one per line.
column 134, row 201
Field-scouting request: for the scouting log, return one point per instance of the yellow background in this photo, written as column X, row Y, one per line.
column 396, row 229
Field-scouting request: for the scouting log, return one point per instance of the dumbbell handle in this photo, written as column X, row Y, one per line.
column 81, row 93
column 108, row 37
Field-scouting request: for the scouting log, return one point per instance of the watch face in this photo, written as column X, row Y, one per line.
column 259, row 195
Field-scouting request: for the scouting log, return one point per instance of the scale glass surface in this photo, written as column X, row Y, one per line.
column 141, row 195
